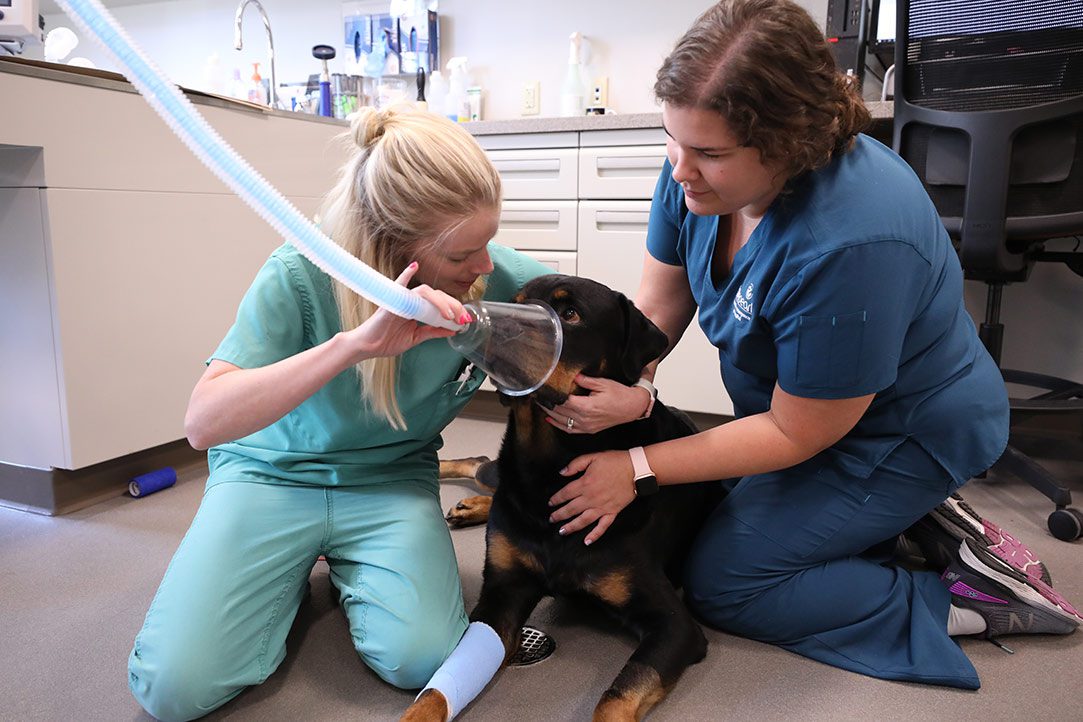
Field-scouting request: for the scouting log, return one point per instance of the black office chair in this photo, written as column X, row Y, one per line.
column 989, row 113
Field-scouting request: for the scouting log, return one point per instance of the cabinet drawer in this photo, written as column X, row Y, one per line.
column 560, row 261
column 538, row 225
column 620, row 172
column 547, row 173
column 612, row 244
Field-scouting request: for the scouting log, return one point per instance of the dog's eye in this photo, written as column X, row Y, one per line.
column 570, row 315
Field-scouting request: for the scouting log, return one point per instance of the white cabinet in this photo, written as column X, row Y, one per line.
column 583, row 210
column 620, row 172
column 32, row 430
column 559, row 261
column 121, row 264
column 538, row 225
column 538, row 173
column 612, row 243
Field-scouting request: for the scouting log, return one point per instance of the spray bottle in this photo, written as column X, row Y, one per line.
column 573, row 94
column 457, row 103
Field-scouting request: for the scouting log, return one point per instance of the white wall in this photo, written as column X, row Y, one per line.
column 508, row 42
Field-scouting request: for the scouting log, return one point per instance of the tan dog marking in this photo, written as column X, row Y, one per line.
column 640, row 688
column 461, row 468
column 613, row 588
column 506, row 556
column 431, row 706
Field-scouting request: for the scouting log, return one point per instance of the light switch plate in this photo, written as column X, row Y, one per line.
column 531, row 98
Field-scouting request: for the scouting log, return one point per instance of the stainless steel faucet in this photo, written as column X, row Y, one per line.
column 239, row 44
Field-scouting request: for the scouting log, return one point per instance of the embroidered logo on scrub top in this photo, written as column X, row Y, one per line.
column 742, row 304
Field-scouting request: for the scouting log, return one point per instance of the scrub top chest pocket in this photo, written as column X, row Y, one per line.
column 829, row 350
column 452, row 397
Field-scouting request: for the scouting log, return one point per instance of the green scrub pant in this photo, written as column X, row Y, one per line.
column 221, row 615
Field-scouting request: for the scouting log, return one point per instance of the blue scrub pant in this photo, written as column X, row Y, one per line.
column 800, row 558
column 221, row 615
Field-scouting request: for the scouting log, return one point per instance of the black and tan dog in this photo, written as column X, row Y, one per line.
column 634, row 568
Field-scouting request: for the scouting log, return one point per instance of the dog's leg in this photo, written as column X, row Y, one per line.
column 512, row 586
column 462, row 468
column 671, row 643
column 430, row 706
column 509, row 593
column 471, row 511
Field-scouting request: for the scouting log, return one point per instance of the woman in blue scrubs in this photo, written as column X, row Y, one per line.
column 323, row 416
column 863, row 397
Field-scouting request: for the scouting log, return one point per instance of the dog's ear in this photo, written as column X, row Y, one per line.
column 643, row 341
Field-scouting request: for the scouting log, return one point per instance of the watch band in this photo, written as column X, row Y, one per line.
column 645, row 384
column 645, row 483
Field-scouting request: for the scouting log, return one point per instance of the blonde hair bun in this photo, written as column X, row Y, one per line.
column 368, row 125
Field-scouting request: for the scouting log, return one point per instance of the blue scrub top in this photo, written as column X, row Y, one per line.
column 848, row 286
column 332, row 439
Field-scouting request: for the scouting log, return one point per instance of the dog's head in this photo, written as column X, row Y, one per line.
column 604, row 334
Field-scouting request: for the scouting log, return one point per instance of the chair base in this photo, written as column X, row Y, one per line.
column 1059, row 396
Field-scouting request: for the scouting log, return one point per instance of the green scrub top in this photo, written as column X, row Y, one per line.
column 332, row 439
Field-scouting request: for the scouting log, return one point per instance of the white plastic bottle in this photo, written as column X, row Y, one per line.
column 214, row 77
column 237, row 87
column 573, row 94
column 436, row 92
column 457, row 103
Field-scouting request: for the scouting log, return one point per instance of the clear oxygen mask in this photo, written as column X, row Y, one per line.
column 517, row 344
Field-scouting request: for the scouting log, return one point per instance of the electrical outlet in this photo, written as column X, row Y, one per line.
column 599, row 96
column 531, row 98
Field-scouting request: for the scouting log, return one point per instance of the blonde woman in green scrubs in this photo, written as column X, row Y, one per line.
column 322, row 416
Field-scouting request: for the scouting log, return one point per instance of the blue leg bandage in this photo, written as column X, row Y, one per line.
column 471, row 665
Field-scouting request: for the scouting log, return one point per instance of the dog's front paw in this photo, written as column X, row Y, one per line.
column 471, row 511
column 430, row 706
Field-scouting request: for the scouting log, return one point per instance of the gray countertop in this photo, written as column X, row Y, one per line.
column 880, row 111
column 113, row 81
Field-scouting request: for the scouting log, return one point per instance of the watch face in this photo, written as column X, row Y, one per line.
column 646, row 485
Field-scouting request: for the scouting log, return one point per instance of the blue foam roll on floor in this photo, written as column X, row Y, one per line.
column 152, row 481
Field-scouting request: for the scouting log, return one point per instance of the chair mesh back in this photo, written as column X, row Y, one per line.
column 970, row 55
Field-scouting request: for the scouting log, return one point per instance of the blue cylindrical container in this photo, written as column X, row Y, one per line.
column 152, row 481
column 325, row 99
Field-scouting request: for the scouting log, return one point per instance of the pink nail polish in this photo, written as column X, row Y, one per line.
column 413, row 264
column 465, row 318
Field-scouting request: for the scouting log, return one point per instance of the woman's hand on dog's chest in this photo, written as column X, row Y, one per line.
column 604, row 489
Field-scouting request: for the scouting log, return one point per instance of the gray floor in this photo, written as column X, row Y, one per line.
column 74, row 589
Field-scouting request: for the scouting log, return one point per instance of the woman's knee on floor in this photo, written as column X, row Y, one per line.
column 409, row 655
column 726, row 589
column 178, row 684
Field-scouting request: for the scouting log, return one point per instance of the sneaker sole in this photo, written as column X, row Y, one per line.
column 957, row 518
column 1032, row 591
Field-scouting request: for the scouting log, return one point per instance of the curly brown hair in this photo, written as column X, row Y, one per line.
column 767, row 68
